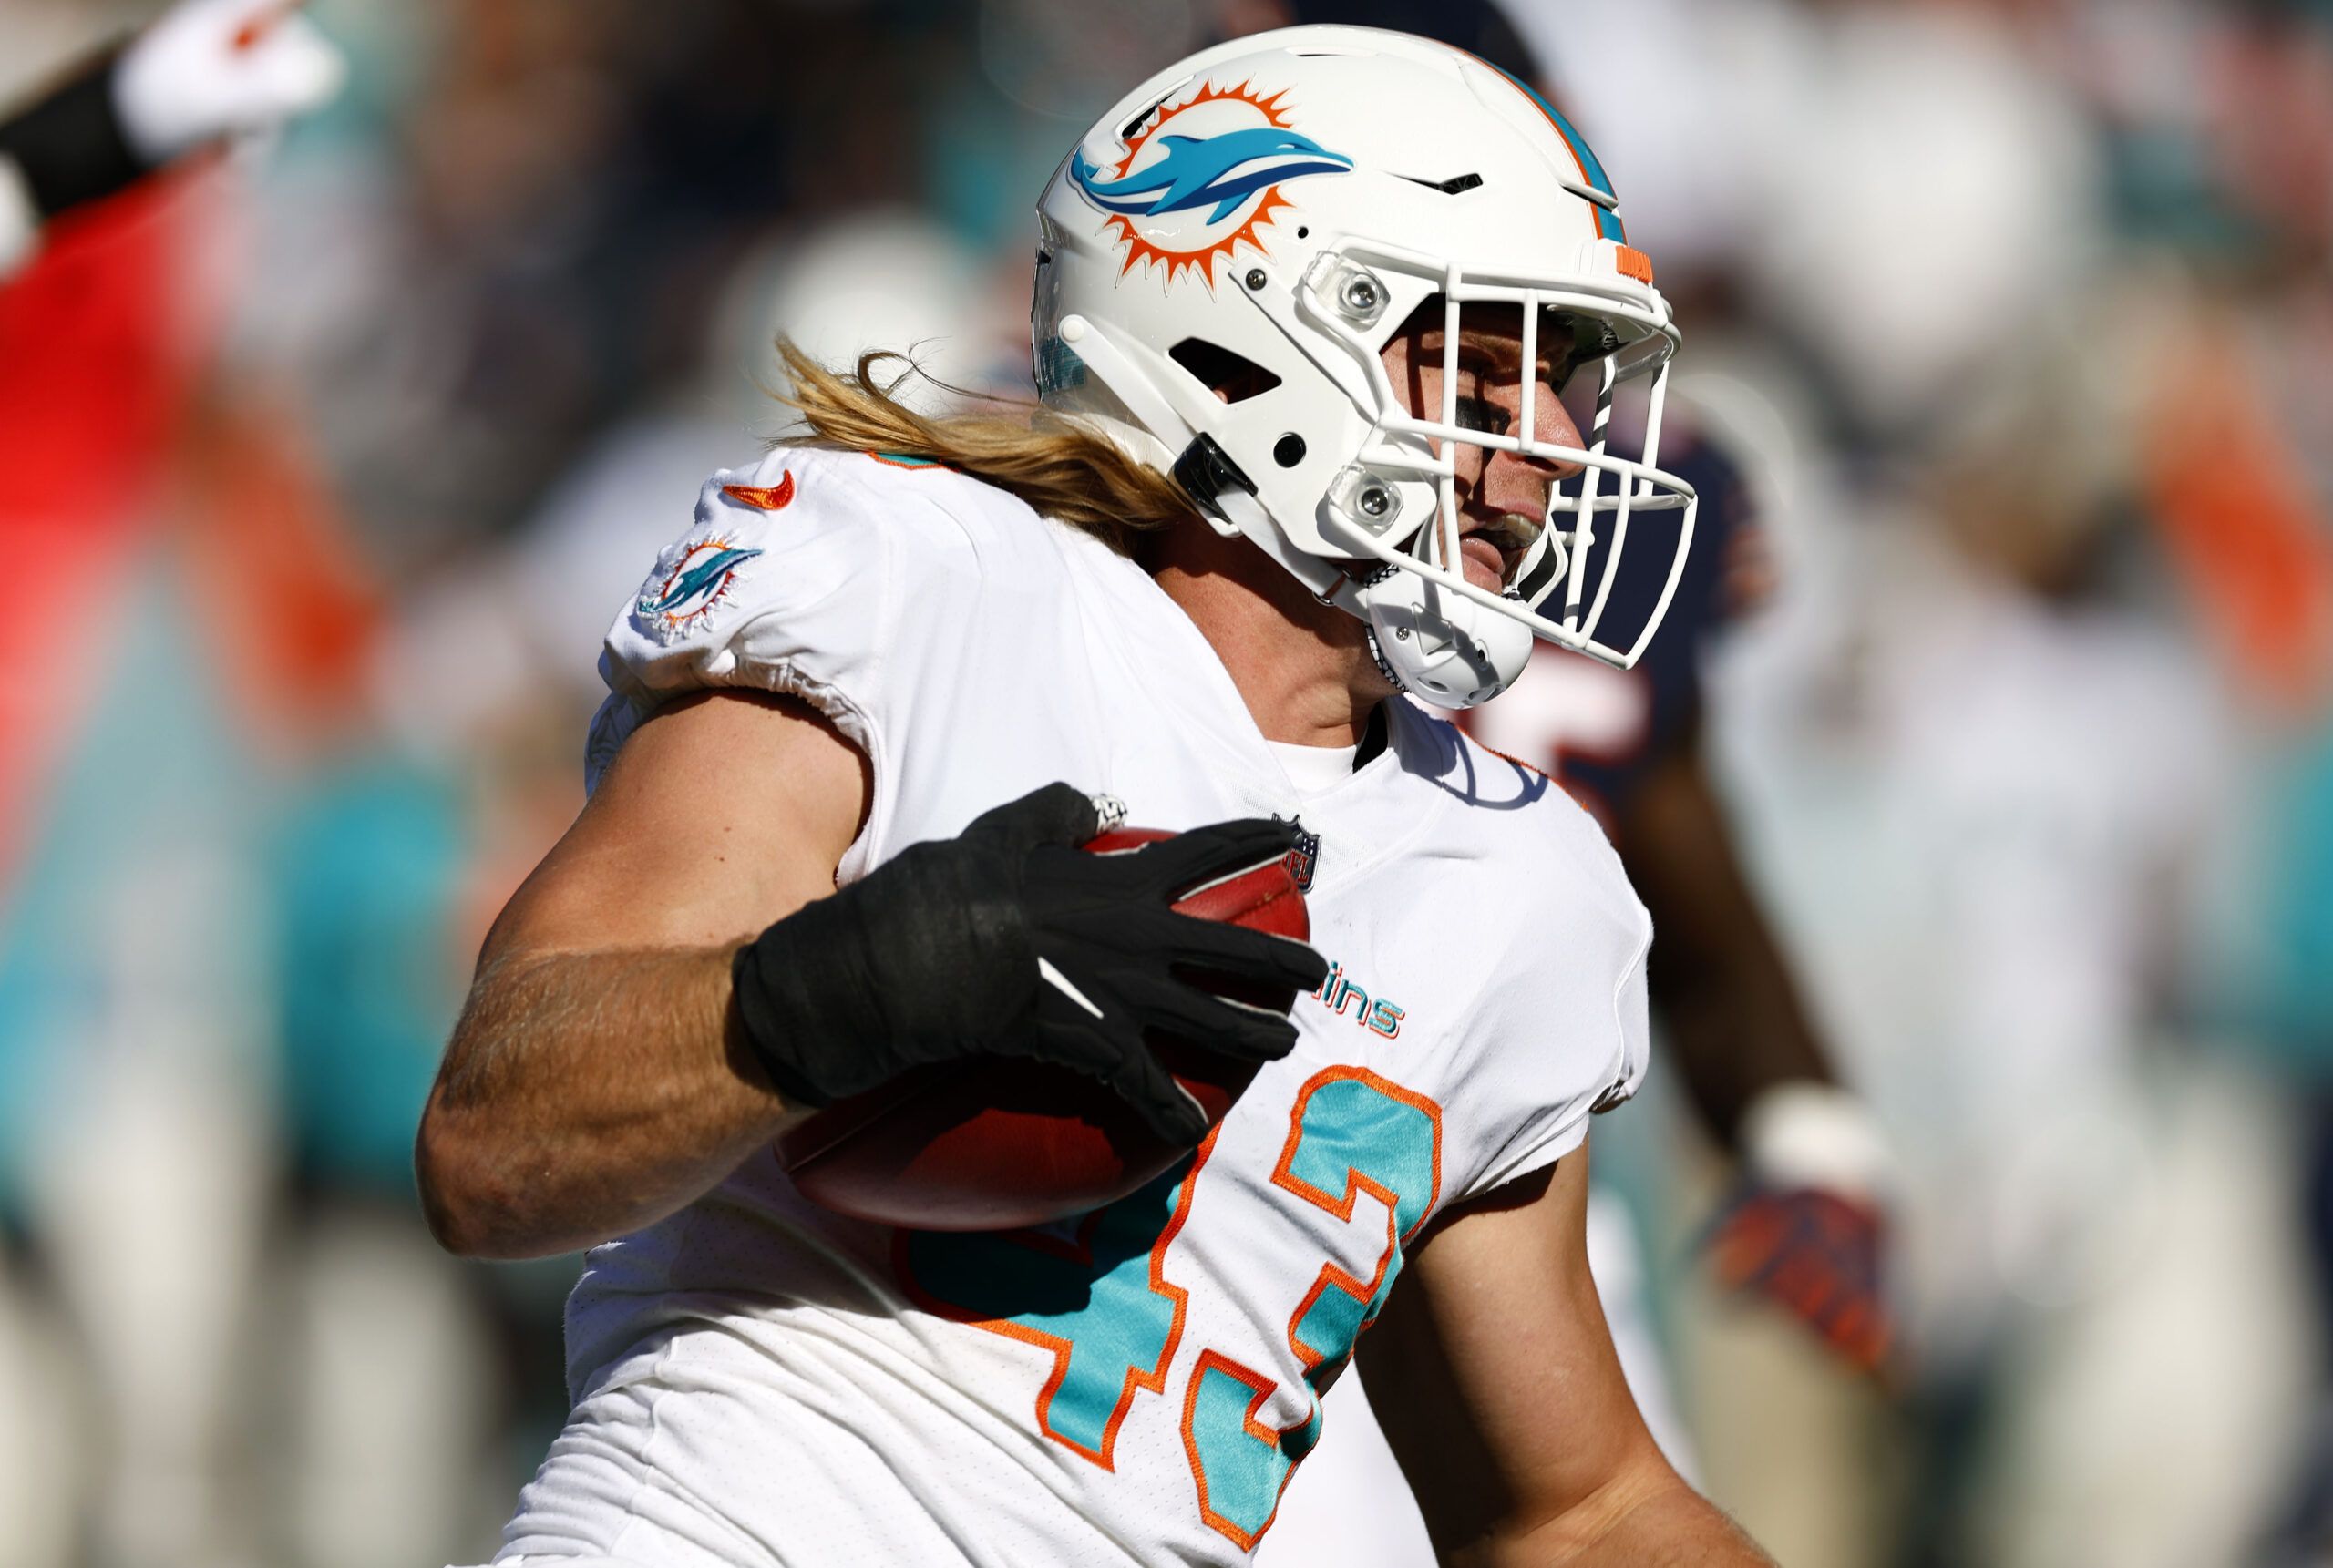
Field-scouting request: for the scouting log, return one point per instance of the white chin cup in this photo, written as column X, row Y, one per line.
column 1441, row 648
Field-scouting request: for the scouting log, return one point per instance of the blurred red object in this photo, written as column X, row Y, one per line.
column 290, row 607
column 2242, row 523
column 98, row 347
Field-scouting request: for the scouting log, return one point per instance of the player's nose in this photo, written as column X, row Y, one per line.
column 1521, row 482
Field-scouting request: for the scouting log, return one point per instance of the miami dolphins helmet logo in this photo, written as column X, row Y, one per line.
column 1223, row 154
column 696, row 583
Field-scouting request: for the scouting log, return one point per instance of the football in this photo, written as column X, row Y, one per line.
column 1003, row 1143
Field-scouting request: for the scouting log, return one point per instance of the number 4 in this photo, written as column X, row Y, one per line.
column 1104, row 1307
column 1107, row 1312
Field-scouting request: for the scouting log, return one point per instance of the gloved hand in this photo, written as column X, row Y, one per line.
column 1805, row 1227
column 214, row 68
column 1815, row 1254
column 1011, row 940
column 206, row 69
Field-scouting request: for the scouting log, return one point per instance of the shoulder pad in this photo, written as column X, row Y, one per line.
column 801, row 521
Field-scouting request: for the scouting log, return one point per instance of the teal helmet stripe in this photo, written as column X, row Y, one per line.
column 1608, row 223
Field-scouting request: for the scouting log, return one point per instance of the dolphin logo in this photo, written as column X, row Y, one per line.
column 1218, row 171
column 703, row 579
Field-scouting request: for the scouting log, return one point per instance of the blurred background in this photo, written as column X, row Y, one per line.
column 324, row 465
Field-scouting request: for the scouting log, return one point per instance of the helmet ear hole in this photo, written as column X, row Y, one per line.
column 1233, row 377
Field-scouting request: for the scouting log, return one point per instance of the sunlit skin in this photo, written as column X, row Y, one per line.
column 1502, row 496
column 1304, row 668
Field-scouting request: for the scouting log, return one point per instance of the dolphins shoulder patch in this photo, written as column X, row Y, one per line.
column 689, row 585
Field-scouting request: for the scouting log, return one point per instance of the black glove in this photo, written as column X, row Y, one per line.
column 1011, row 940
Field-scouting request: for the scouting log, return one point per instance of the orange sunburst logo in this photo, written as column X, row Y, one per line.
column 1202, row 179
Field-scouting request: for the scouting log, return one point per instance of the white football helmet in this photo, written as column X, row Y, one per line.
column 1290, row 199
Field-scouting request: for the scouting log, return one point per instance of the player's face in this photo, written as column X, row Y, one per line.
column 1502, row 496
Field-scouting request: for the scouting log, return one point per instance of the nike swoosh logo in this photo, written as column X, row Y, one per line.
column 1060, row 982
column 768, row 499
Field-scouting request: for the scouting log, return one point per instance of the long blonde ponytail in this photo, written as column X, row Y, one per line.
column 1060, row 469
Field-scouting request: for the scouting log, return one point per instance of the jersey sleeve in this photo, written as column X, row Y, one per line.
column 1566, row 1035
column 814, row 574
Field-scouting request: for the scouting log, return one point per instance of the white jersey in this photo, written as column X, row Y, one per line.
column 759, row 1381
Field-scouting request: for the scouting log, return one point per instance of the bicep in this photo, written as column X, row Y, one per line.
column 1495, row 1377
column 723, row 812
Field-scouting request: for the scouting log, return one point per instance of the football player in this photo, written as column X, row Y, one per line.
column 1304, row 306
column 203, row 72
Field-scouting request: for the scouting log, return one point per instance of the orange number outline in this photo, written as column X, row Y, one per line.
column 1262, row 1387
column 1080, row 1251
column 1284, row 1178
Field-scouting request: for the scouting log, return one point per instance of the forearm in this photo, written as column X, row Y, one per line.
column 587, row 1094
column 1733, row 1022
column 1654, row 1523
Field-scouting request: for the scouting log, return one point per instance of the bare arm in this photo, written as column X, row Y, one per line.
column 1504, row 1403
column 1731, row 1010
column 597, row 1080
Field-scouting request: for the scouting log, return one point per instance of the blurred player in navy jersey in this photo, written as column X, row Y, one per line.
column 1802, row 1226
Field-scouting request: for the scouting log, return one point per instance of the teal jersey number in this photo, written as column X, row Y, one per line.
column 1099, row 1302
column 1350, row 1132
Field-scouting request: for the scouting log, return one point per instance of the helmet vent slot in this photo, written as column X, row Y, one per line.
column 1456, row 185
column 1234, row 377
column 1139, row 120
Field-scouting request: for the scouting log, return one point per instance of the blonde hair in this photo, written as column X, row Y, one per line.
column 1060, row 468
